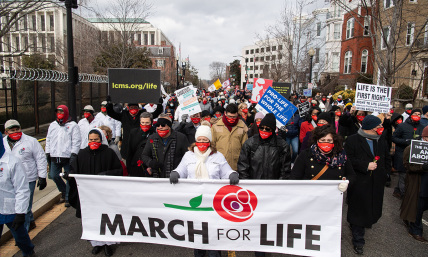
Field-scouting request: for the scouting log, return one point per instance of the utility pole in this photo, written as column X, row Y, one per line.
column 178, row 81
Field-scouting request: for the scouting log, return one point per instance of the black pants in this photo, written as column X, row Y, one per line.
column 211, row 253
column 358, row 235
column 416, row 228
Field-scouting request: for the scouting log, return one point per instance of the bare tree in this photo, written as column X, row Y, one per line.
column 218, row 70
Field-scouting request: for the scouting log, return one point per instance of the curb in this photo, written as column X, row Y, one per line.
column 39, row 207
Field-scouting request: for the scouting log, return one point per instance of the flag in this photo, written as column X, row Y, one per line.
column 226, row 84
column 211, row 88
column 217, row 84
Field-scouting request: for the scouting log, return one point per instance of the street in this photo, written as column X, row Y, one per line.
column 387, row 238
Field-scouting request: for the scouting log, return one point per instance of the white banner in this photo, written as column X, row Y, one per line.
column 226, row 84
column 292, row 217
column 188, row 100
column 373, row 98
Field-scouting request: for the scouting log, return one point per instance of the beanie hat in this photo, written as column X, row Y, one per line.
column 425, row 132
column 408, row 106
column 334, row 108
column 232, row 101
column 325, row 116
column 205, row 113
column 415, row 110
column 424, row 109
column 204, row 131
column 219, row 109
column 370, row 122
column 269, row 121
column 259, row 115
column 104, row 103
column 89, row 108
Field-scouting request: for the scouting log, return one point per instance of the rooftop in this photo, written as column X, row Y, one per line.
column 117, row 20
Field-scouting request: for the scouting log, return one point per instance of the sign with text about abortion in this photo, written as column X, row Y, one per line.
column 134, row 85
column 373, row 98
column 291, row 217
column 274, row 102
column 283, row 88
column 418, row 152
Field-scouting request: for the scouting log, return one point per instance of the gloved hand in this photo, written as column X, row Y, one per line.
column 234, row 178
column 41, row 183
column 116, row 140
column 18, row 221
column 173, row 177
column 48, row 158
column 343, row 186
column 425, row 166
column 155, row 165
column 184, row 117
column 108, row 99
column 73, row 157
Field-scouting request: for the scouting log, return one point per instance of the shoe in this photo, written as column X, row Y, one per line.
column 359, row 250
column 419, row 238
column 62, row 199
column 397, row 195
column 32, row 225
column 96, row 250
column 67, row 204
column 107, row 250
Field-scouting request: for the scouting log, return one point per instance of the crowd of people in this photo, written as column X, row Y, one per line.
column 228, row 139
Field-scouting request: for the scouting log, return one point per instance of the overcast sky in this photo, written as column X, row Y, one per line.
column 213, row 30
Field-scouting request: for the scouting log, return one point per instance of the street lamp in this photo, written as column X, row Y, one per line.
column 246, row 66
column 311, row 54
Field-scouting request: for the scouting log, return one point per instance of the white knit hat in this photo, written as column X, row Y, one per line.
column 204, row 131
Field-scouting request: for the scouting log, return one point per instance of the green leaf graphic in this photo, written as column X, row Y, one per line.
column 195, row 202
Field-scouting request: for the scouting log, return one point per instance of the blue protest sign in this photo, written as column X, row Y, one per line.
column 274, row 102
column 250, row 87
column 307, row 92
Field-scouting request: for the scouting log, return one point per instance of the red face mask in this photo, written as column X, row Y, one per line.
column 133, row 111
column 399, row 121
column 145, row 128
column 204, row 101
column 302, row 101
column 207, row 119
column 321, row 124
column 258, row 123
column 324, row 99
column 94, row 145
column 171, row 117
column 230, row 120
column 379, row 131
column 60, row 116
column 415, row 118
column 314, row 117
column 218, row 115
column 202, row 146
column 409, row 111
column 15, row 136
column 103, row 109
column 196, row 120
column 87, row 115
column 325, row 147
column 264, row 134
column 245, row 110
column 163, row 133
column 338, row 114
column 360, row 118
column 314, row 105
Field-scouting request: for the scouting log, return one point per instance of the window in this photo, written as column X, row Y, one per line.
column 247, row 51
column 25, row 23
column 279, row 47
column 25, row 39
column 52, row 44
column 273, row 57
column 34, row 23
column 251, row 67
column 410, row 32
column 256, row 67
column 336, row 31
column 34, row 43
column 139, row 39
column 389, row 3
column 267, row 58
column 261, row 67
column 17, row 43
column 385, row 37
column 160, row 63
column 251, row 76
column 256, row 75
column 273, row 48
column 262, row 50
column 268, row 49
column 152, row 39
column 262, row 58
column 348, row 62
column 42, row 23
column 51, row 23
column 257, row 51
column 279, row 56
column 146, row 39
column 350, row 28
column 251, row 59
column 317, row 55
column 366, row 25
column 318, row 29
column 160, row 50
column 246, row 59
column 43, row 40
column 256, row 59
column 364, row 57
column 252, row 51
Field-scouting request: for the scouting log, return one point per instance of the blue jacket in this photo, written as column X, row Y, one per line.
column 293, row 126
column 423, row 121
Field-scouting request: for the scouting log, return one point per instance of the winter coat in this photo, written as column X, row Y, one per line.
column 137, row 142
column 306, row 167
column 348, row 125
column 423, row 121
column 170, row 154
column 31, row 154
column 114, row 125
column 402, row 138
column 229, row 143
column 85, row 127
column 128, row 123
column 305, row 128
column 416, row 186
column 189, row 130
column 264, row 159
column 365, row 195
column 248, row 121
column 206, row 107
column 216, row 165
column 63, row 140
column 293, row 126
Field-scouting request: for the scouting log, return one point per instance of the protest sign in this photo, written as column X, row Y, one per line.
column 310, row 85
column 134, row 85
column 373, row 98
column 249, row 87
column 304, row 109
column 259, row 88
column 283, row 88
column 290, row 217
column 188, row 100
column 307, row 92
column 274, row 102
column 418, row 152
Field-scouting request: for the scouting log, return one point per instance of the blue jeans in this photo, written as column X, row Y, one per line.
column 55, row 170
column 29, row 216
column 22, row 239
column 294, row 142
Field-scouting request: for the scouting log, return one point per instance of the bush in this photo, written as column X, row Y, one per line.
column 345, row 95
column 405, row 92
column 339, row 88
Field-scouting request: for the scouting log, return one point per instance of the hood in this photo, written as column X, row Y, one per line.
column 395, row 116
column 103, row 137
column 66, row 113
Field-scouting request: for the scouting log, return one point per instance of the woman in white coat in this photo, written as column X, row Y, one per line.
column 202, row 161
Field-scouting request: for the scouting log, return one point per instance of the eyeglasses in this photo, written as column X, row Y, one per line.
column 162, row 125
column 230, row 117
column 266, row 129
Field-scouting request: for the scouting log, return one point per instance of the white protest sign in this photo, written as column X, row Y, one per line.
column 188, row 100
column 290, row 217
column 373, row 98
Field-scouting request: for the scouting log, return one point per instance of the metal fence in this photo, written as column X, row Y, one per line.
column 32, row 95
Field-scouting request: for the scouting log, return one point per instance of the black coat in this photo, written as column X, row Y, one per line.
column 137, row 141
column 189, row 130
column 365, row 195
column 306, row 167
column 102, row 161
column 264, row 159
column 402, row 138
column 128, row 123
column 348, row 125
column 169, row 157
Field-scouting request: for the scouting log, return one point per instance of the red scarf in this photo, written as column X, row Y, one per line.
column 228, row 125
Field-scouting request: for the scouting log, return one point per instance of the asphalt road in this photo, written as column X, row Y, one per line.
column 387, row 238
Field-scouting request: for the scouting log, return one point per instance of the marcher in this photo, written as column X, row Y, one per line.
column 369, row 154
column 424, row 116
column 111, row 144
column 63, row 142
column 31, row 154
column 189, row 128
column 245, row 115
column 15, row 199
column 415, row 200
column 350, row 122
column 229, row 134
column 310, row 123
column 96, row 159
column 88, row 123
column 164, row 150
column 206, row 106
column 254, row 128
column 323, row 119
column 114, row 125
column 407, row 111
